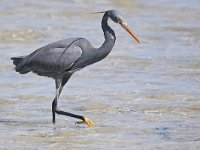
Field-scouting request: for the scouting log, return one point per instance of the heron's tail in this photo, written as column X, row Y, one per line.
column 17, row 62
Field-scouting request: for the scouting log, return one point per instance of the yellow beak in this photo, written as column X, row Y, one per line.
column 125, row 26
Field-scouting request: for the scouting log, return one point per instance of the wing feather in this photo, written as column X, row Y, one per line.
column 53, row 58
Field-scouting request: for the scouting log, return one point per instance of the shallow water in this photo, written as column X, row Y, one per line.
column 140, row 97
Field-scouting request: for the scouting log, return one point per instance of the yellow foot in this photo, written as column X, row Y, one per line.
column 87, row 121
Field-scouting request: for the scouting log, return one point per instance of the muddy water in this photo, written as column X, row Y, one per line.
column 140, row 97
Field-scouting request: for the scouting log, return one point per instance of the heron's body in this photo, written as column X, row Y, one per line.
column 61, row 59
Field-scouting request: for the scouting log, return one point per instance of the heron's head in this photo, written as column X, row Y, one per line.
column 116, row 16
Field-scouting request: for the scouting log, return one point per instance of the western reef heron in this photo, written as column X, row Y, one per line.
column 61, row 59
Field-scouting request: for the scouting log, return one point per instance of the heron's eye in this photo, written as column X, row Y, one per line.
column 119, row 20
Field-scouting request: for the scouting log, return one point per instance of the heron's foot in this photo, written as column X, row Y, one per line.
column 86, row 121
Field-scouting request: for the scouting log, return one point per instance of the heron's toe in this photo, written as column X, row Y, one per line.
column 87, row 121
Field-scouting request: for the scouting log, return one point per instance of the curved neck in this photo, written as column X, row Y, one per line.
column 109, row 34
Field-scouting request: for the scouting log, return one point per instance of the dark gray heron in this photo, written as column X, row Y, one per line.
column 59, row 60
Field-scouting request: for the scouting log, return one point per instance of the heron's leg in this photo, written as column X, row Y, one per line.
column 84, row 119
column 54, row 103
column 59, row 88
column 60, row 83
